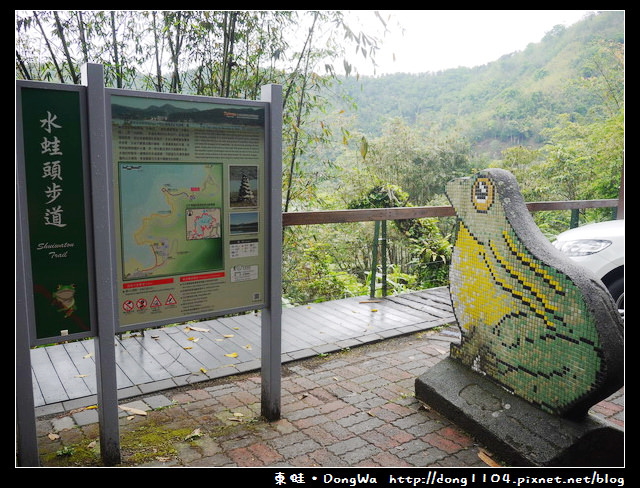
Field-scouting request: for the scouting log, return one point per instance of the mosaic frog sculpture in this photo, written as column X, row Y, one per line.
column 530, row 319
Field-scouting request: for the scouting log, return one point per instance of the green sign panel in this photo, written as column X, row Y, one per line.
column 54, row 173
column 190, row 208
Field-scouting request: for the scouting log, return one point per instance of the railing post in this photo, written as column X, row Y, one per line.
column 383, row 251
column 575, row 218
column 374, row 260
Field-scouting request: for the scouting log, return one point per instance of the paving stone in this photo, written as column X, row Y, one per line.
column 85, row 417
column 157, row 401
column 352, row 421
column 62, row 423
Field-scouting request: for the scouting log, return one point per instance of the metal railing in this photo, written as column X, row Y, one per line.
column 381, row 215
column 404, row 213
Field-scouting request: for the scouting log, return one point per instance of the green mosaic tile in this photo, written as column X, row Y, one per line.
column 524, row 323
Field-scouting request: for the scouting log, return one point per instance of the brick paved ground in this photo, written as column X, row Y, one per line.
column 356, row 408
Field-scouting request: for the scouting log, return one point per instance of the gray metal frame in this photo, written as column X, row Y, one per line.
column 268, row 170
column 101, row 232
column 25, row 331
column 24, row 283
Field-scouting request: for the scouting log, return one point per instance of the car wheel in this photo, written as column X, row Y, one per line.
column 616, row 288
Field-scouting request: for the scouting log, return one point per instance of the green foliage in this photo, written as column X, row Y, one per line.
column 553, row 114
column 317, row 270
column 383, row 196
column 429, row 251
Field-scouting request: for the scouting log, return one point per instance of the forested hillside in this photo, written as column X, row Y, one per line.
column 552, row 114
column 503, row 103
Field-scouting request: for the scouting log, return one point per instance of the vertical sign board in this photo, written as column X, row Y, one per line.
column 52, row 171
column 190, row 202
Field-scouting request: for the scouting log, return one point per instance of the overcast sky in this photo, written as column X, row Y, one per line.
column 435, row 40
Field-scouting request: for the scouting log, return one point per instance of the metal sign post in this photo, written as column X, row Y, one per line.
column 104, row 248
column 271, row 317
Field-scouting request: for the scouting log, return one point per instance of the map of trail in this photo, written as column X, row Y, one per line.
column 171, row 218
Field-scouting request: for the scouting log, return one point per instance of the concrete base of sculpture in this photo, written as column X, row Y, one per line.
column 515, row 431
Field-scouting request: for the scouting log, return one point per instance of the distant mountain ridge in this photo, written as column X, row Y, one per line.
column 504, row 102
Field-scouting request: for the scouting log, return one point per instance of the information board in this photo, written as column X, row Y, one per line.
column 51, row 178
column 189, row 207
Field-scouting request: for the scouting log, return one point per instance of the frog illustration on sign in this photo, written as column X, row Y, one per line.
column 65, row 298
column 530, row 319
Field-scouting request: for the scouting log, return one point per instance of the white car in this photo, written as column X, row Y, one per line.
column 600, row 248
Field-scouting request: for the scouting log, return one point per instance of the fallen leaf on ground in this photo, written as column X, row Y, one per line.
column 202, row 370
column 81, row 376
column 87, row 356
column 91, row 444
column 194, row 339
column 248, row 347
column 198, row 329
column 228, row 336
column 132, row 410
column 194, row 435
column 188, row 347
column 52, row 436
column 232, row 355
column 487, row 458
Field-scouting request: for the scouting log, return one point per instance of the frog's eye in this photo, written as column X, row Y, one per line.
column 482, row 194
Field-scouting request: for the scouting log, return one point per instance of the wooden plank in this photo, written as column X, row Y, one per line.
column 246, row 332
column 321, row 323
column 347, row 313
column 122, row 379
column 161, row 353
column 194, row 356
column 251, row 326
column 384, row 318
column 223, row 339
column 73, row 381
column 154, row 343
column 174, row 355
column 301, row 330
column 143, row 359
column 52, row 388
column 38, row 398
column 438, row 298
column 439, row 295
column 412, row 306
column 85, row 363
column 130, row 367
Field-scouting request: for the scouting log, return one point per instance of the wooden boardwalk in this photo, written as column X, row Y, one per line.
column 64, row 375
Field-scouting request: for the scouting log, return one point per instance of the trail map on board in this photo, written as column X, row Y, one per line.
column 171, row 218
